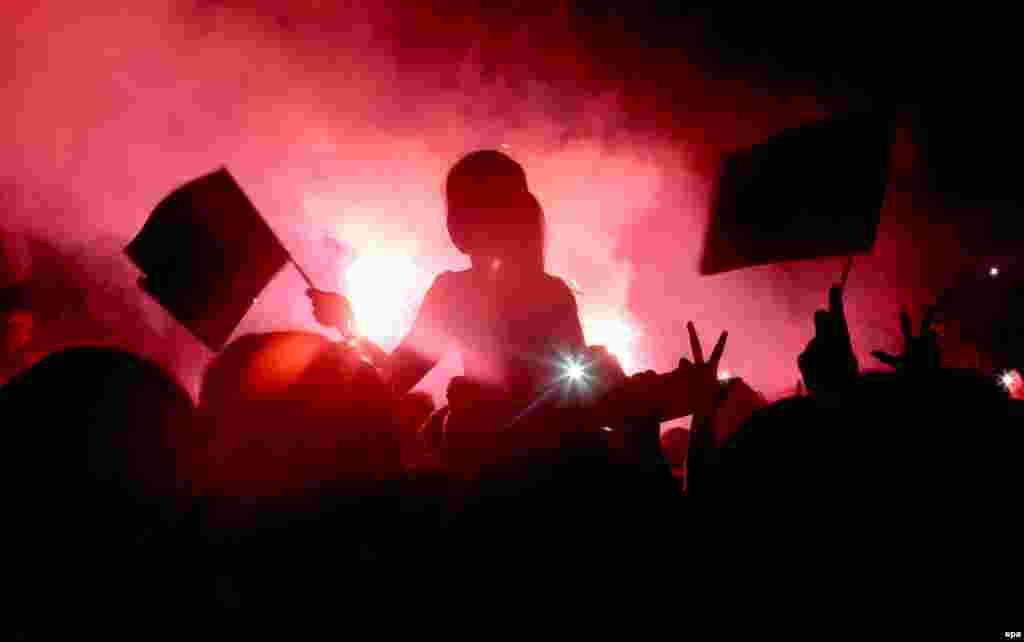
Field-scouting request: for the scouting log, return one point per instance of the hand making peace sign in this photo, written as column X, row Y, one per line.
column 703, row 375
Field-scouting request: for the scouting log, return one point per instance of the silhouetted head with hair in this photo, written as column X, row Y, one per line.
column 110, row 532
column 131, row 413
column 481, row 176
column 893, row 440
column 491, row 214
column 292, row 410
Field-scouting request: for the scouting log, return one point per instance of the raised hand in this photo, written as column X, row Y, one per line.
column 689, row 389
column 920, row 353
column 828, row 364
column 704, row 375
column 331, row 310
column 371, row 352
column 706, row 388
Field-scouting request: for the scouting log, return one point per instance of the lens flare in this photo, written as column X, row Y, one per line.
column 575, row 371
column 614, row 334
column 1013, row 382
column 382, row 290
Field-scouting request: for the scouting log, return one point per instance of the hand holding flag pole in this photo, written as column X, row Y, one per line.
column 329, row 309
column 206, row 254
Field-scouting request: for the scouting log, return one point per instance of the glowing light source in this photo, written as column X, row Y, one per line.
column 993, row 271
column 724, row 375
column 574, row 371
column 1010, row 379
column 614, row 334
column 1013, row 382
column 381, row 289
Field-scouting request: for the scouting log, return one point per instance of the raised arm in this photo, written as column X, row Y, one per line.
column 422, row 347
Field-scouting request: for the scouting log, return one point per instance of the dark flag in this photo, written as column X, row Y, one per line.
column 809, row 192
column 207, row 254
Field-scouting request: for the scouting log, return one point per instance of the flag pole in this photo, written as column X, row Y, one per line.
column 305, row 277
column 846, row 272
column 347, row 336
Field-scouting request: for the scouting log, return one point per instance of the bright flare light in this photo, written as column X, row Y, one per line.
column 1013, row 382
column 575, row 371
column 993, row 271
column 614, row 334
column 382, row 289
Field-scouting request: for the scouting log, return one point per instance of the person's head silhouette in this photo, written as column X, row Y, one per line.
column 492, row 216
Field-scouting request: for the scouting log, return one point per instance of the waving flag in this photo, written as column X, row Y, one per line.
column 207, row 254
column 809, row 192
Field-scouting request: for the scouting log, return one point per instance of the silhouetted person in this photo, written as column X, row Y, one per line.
column 290, row 411
column 301, row 474
column 96, row 507
column 506, row 316
column 906, row 473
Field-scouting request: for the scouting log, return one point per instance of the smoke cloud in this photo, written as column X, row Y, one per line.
column 340, row 122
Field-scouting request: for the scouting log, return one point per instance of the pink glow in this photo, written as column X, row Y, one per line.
column 341, row 123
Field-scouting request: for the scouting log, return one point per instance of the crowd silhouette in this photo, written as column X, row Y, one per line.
column 307, row 472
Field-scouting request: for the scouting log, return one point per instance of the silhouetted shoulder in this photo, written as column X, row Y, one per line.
column 444, row 291
column 551, row 291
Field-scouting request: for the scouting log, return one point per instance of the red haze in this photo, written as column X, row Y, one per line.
column 341, row 122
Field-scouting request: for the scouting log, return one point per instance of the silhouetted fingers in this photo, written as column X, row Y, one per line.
column 716, row 354
column 695, row 349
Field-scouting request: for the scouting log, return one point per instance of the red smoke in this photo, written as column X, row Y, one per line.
column 341, row 122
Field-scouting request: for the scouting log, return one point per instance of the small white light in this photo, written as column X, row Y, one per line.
column 607, row 429
column 724, row 375
column 574, row 371
column 1007, row 379
column 993, row 271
